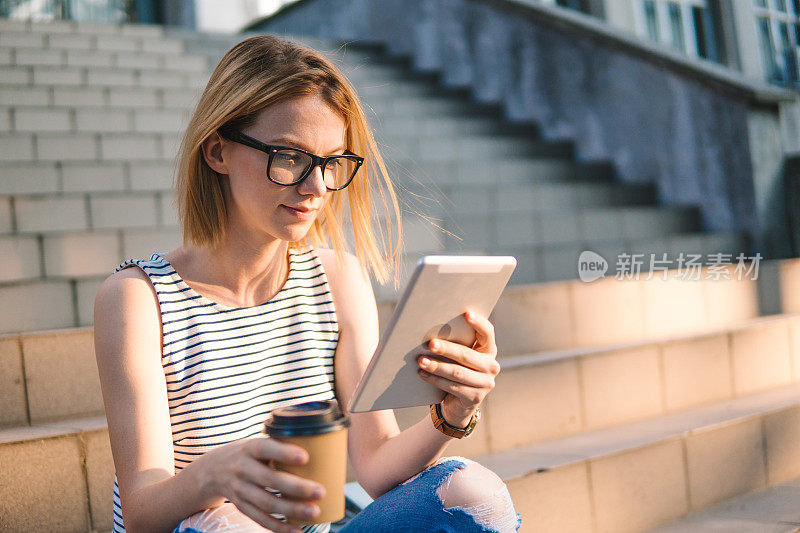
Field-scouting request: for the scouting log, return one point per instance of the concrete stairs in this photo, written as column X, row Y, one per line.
column 622, row 405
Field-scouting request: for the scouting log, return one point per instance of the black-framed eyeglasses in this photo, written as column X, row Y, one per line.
column 290, row 166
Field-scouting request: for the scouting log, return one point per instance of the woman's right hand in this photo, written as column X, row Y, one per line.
column 240, row 471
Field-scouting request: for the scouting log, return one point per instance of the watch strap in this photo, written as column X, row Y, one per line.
column 441, row 424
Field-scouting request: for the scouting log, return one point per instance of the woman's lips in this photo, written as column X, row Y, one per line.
column 300, row 213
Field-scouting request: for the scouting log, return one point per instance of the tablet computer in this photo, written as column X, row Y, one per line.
column 440, row 291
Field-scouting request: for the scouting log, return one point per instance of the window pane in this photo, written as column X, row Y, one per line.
column 768, row 49
column 652, row 19
column 761, row 3
column 780, row 5
column 676, row 26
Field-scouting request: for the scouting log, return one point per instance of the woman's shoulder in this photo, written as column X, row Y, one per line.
column 349, row 284
column 129, row 289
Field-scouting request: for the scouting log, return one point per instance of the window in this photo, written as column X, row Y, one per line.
column 778, row 22
column 682, row 25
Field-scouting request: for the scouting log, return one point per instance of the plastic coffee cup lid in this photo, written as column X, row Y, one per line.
column 310, row 418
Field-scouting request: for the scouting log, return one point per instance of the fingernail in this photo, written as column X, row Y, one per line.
column 317, row 493
column 434, row 344
column 424, row 361
column 310, row 511
column 299, row 457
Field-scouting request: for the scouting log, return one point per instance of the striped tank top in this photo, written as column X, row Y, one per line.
column 227, row 368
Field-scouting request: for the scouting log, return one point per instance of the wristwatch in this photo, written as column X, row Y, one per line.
column 441, row 424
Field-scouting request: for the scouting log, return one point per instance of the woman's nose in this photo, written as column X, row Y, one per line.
column 314, row 184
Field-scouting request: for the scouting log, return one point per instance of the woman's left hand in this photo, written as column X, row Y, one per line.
column 469, row 378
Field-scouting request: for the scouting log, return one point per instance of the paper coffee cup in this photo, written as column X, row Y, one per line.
column 321, row 428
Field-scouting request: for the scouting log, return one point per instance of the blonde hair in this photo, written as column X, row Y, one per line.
column 262, row 71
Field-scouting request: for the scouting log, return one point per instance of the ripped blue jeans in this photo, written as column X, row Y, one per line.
column 411, row 507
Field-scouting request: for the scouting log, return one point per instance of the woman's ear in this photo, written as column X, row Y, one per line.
column 212, row 153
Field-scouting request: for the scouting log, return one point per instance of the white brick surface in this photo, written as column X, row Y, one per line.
column 51, row 214
column 86, row 291
column 78, row 97
column 98, row 120
column 6, row 218
column 165, row 46
column 169, row 210
column 6, row 56
column 37, row 306
column 161, row 79
column 20, row 258
column 182, row 98
column 126, row 211
column 127, row 97
column 115, row 43
column 24, row 96
column 42, row 119
column 80, row 254
column 24, row 56
column 89, row 58
column 150, row 176
column 70, row 42
column 152, row 32
column 197, row 79
column 138, row 60
column 97, row 28
column 53, row 26
column 186, row 63
column 16, row 147
column 93, row 177
column 112, row 78
column 14, row 25
column 66, row 147
column 28, row 178
column 170, row 145
column 16, row 75
column 59, row 76
column 5, row 120
column 160, row 121
column 129, row 147
column 22, row 39
column 141, row 244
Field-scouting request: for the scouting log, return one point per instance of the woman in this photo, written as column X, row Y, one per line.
column 195, row 348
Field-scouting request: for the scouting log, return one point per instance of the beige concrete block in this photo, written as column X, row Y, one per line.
column 730, row 301
column 556, row 501
column 13, row 406
column 125, row 97
column 151, row 176
column 782, row 435
column 197, row 79
column 78, row 177
column 163, row 46
column 169, row 146
column 16, row 75
column 129, row 147
column 35, row 57
column 551, row 396
column 141, row 244
column 5, row 56
column 724, row 462
column 5, row 119
column 12, row 39
column 18, row 25
column 37, row 306
column 164, row 80
column 70, row 41
column 102, row 120
column 639, row 489
column 25, row 96
column 533, row 318
column 118, row 43
column 126, row 211
column 111, row 78
column 28, row 178
column 761, row 356
column 50, row 214
column 97, row 28
column 59, row 76
column 696, row 371
column 42, row 119
column 672, row 306
column 43, row 486
column 53, row 26
column 607, row 311
column 21, row 258
column 794, row 343
column 789, row 272
column 621, row 386
column 160, row 121
column 186, row 63
column 66, row 147
column 152, row 32
column 61, row 375
column 6, row 216
column 79, row 97
column 137, row 60
column 169, row 210
column 16, row 147
column 81, row 254
column 87, row 290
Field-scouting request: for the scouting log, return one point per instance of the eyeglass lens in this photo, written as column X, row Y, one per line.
column 289, row 166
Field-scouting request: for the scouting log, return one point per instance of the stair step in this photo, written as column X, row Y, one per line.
column 100, row 147
column 633, row 477
column 48, row 178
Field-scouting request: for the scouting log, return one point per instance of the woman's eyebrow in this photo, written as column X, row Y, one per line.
column 287, row 141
